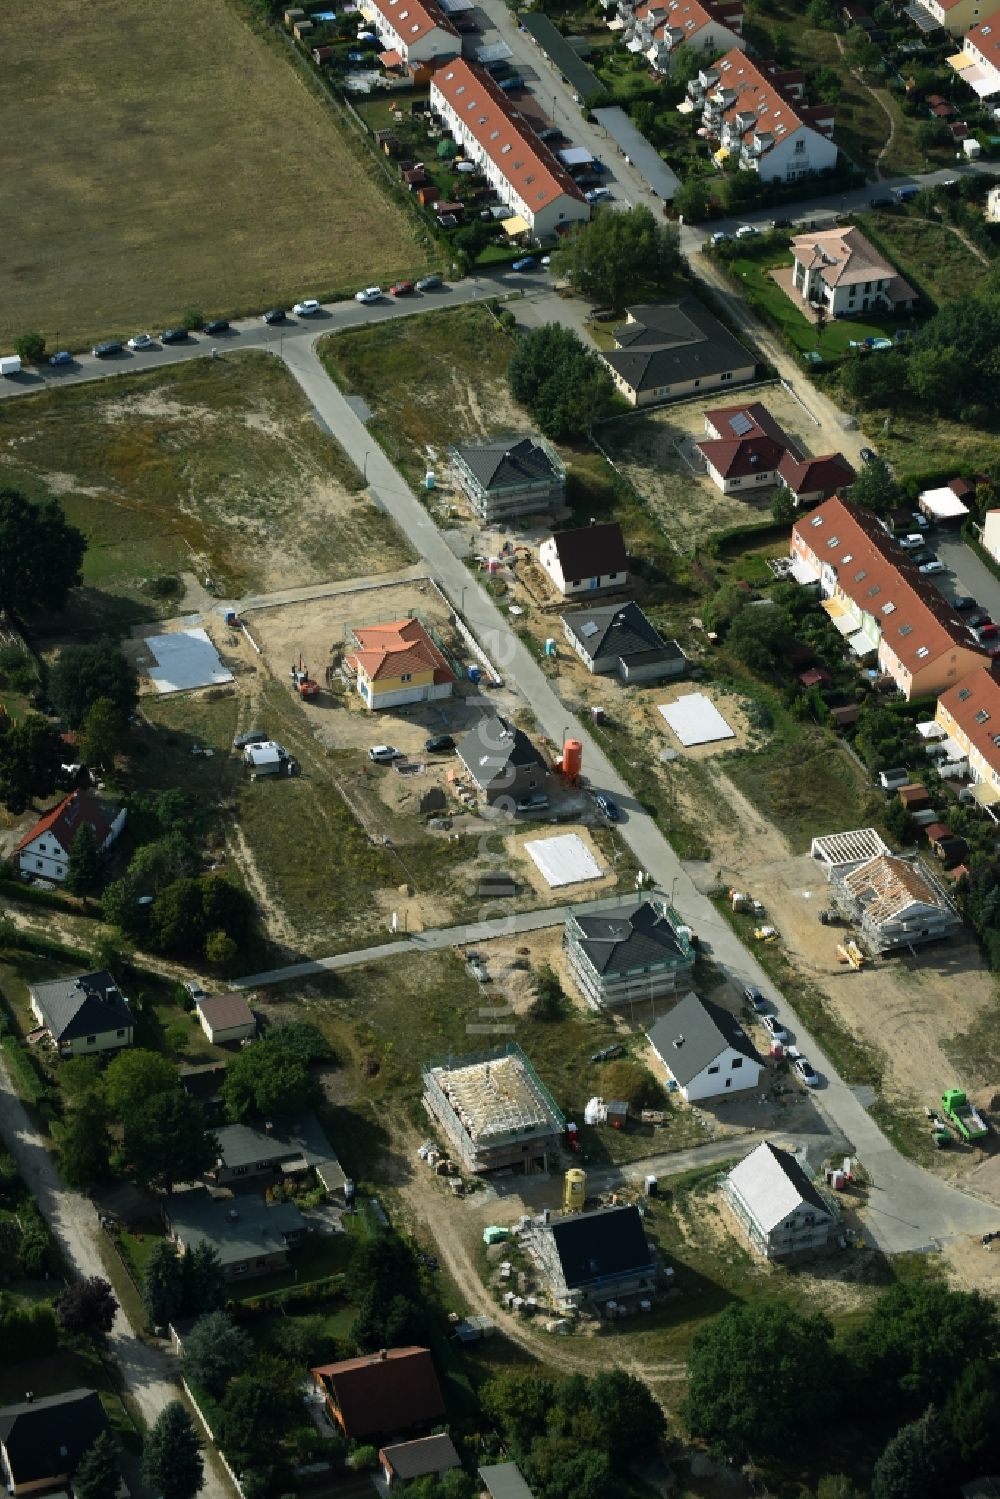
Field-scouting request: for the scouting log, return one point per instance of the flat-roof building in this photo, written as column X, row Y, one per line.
column 494, row 1110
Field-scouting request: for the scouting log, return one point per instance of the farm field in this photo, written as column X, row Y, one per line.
column 213, row 468
column 207, row 176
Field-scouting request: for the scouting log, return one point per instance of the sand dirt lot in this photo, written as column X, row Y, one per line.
column 654, row 451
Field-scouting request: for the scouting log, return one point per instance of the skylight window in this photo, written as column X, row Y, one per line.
column 860, row 577
column 982, row 716
column 923, row 651
column 817, row 520
column 964, row 693
column 889, row 608
column 906, row 629
column 833, row 541
column 847, row 559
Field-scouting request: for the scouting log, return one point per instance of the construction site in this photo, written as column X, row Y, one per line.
column 893, row 903
column 494, row 1110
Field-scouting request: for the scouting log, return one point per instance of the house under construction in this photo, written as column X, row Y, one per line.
column 895, row 903
column 493, row 1109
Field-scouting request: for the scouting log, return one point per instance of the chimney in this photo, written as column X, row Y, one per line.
column 678, row 1043
column 383, row 1354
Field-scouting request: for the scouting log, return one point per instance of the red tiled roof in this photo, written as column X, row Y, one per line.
column 985, row 37
column 807, row 475
column 225, row 1010
column 383, row 1392
column 917, row 622
column 67, row 817
column 764, row 97
column 387, row 651
column 757, row 450
column 526, row 162
column 975, row 696
column 413, row 19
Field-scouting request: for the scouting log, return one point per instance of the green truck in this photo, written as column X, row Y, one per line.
column 963, row 1115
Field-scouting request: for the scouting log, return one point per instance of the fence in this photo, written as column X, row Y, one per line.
column 203, row 1420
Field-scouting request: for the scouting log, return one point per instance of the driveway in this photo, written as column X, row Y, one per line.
column 149, row 1374
column 968, row 573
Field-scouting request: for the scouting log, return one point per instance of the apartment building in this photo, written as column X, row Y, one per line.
column 493, row 134
column 880, row 603
column 978, row 63
column 760, row 119
column 661, row 27
column 969, row 713
column 417, row 31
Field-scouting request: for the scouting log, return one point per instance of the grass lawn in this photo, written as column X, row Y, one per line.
column 763, row 293
column 429, row 380
column 919, row 441
column 207, row 174
column 213, row 467
column 803, row 783
column 928, row 253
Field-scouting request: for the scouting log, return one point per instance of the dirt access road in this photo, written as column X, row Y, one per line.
column 149, row 1374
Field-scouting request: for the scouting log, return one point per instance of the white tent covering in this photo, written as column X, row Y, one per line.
column 576, row 156
column 696, row 720
column 942, row 504
column 185, row 659
column 930, row 729
column 565, row 860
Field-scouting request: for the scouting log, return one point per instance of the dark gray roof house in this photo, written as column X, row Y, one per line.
column 594, row 1256
column 641, row 951
column 83, row 1015
column 43, row 1440
column 510, row 476
column 587, row 559
column 249, row 1235
column 675, row 348
column 505, row 1481
column 704, row 1049
column 502, row 760
column 277, row 1149
column 619, row 638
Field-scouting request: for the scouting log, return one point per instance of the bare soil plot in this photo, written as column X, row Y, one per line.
column 213, row 467
column 176, row 160
column 650, row 450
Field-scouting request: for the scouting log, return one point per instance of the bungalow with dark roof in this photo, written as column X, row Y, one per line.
column 675, row 349
column 639, row 952
column 276, row 1151
column 510, row 476
column 85, row 1015
column 619, row 638
column 43, row 1439
column 705, row 1050
column 43, row 852
column 249, row 1235
column 502, row 762
column 381, row 1394
column 588, row 559
column 425, row 1457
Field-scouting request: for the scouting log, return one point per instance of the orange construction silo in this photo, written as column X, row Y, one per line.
column 572, row 760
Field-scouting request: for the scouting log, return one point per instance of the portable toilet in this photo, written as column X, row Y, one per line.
column 574, row 1190
column 474, row 673
column 430, row 482
column 550, row 646
column 650, row 1186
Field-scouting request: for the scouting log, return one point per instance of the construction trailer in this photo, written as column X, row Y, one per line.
column 895, row 903
column 494, row 1110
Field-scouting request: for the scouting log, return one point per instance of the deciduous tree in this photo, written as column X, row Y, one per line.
column 84, row 1144
column 83, row 874
column 166, row 1141
column 562, row 383
column 916, row 1463
column 875, row 488
column 84, row 673
column 214, row 1351
column 31, row 756
column 40, row 554
column 619, row 255
column 255, row 1412
column 87, row 1308
column 102, row 734
column 171, row 1459
column 31, row 348
column 133, row 1077
column 97, row 1474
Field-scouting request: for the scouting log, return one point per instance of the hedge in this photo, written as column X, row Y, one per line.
column 18, row 890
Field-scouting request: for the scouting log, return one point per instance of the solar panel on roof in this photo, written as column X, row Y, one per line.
column 741, row 424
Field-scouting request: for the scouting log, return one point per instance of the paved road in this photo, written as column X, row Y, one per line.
column 149, row 1374
column 911, row 1209
column 818, row 1147
column 969, row 574
column 435, row 939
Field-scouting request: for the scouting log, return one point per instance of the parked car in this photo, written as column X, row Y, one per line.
column 964, row 601
column 774, row 1027
column 62, row 356
column 217, row 325
column 720, row 236
column 526, row 263
column 383, row 754
column 920, row 521
column 608, row 806
column 439, row 744
column 370, row 294
column 431, row 282
column 174, row 336
column 509, row 84
column 536, row 803
column 598, row 194
column 879, row 202
column 911, row 542
column 868, row 455
column 141, row 341
column 933, row 566
column 107, row 348
column 253, row 736
column 755, row 999
column 806, row 1072
column 195, row 990
column 746, row 231
column 550, row 133
column 977, row 618
column 308, row 308
column 988, row 631
column 275, row 315
column 403, row 289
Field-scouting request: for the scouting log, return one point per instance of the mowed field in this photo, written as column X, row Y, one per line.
column 161, row 157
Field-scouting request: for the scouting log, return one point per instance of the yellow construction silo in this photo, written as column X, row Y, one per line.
column 574, row 1190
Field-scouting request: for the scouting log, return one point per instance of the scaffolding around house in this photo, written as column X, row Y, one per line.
column 494, row 1108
